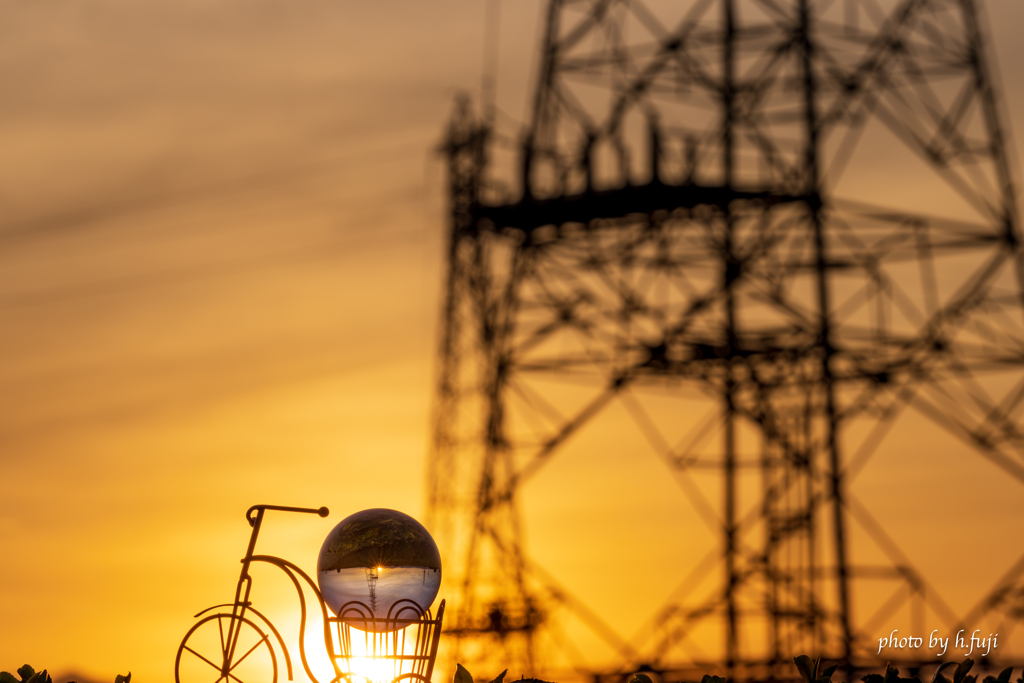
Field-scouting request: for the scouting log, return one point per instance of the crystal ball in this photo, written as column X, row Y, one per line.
column 373, row 563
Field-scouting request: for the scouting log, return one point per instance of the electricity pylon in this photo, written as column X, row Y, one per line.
column 691, row 208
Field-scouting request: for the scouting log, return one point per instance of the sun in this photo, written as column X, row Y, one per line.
column 370, row 662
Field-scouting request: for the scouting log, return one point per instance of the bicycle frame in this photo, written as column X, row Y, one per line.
column 242, row 603
column 427, row 633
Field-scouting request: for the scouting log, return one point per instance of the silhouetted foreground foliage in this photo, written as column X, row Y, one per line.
column 30, row 675
column 810, row 671
column 463, row 676
column 892, row 675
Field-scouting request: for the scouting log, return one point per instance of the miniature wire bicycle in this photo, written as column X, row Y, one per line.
column 238, row 643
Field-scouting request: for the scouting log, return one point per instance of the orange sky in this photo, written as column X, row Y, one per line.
column 221, row 242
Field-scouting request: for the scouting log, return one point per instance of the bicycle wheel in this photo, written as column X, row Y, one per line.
column 204, row 657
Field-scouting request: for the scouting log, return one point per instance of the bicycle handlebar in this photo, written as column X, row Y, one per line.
column 249, row 517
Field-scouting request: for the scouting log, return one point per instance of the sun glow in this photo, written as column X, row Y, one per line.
column 371, row 669
column 371, row 658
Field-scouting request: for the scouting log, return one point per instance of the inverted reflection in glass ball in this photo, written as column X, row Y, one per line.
column 374, row 560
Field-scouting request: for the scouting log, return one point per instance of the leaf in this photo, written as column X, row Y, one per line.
column 123, row 679
column 938, row 677
column 8, row 677
column 962, row 669
column 826, row 675
column 805, row 666
column 461, row 675
column 642, row 678
column 501, row 677
column 708, row 678
column 1004, row 675
column 892, row 674
column 26, row 672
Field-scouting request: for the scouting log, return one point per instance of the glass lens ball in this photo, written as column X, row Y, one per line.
column 376, row 566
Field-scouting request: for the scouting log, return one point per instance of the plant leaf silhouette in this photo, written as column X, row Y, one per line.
column 960, row 675
column 806, row 667
column 826, row 675
column 1003, row 677
column 461, row 675
column 938, row 677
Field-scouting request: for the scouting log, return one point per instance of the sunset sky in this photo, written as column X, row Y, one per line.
column 221, row 257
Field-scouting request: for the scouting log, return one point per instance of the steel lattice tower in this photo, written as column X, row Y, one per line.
column 677, row 218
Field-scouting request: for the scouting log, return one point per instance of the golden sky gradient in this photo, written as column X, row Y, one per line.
column 221, row 257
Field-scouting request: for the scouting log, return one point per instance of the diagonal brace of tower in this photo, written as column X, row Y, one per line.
column 683, row 213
